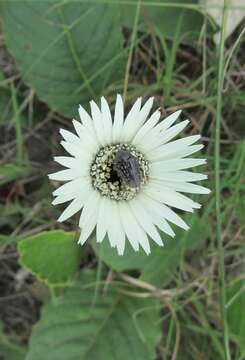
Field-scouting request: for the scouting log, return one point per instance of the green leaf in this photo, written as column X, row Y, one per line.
column 67, row 51
column 11, row 172
column 235, row 311
column 52, row 256
column 114, row 328
column 164, row 18
column 159, row 267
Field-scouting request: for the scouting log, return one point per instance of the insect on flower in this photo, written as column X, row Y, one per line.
column 127, row 168
column 125, row 174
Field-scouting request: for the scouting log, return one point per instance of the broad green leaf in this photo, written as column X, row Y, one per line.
column 235, row 311
column 52, row 256
column 116, row 327
column 67, row 51
column 165, row 18
column 159, row 267
column 10, row 172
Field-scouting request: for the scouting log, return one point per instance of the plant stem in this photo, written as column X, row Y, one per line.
column 18, row 131
column 221, row 253
column 132, row 43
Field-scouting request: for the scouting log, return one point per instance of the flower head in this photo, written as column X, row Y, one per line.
column 126, row 175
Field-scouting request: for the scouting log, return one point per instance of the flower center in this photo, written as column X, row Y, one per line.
column 118, row 171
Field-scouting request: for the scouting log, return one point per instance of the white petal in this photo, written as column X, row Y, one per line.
column 84, row 133
column 69, row 136
column 70, row 187
column 72, row 209
column 135, row 234
column 172, row 147
column 118, row 120
column 128, row 225
column 171, row 197
column 85, row 119
column 166, row 212
column 80, row 191
column 168, row 121
column 86, row 141
column 107, row 120
column 104, row 220
column 129, row 121
column 173, row 131
column 182, row 176
column 116, row 233
column 189, row 150
column 145, row 221
column 155, row 214
column 134, row 126
column 160, row 154
column 72, row 149
column 160, row 167
column 64, row 198
column 146, row 127
column 120, row 233
column 185, row 187
column 164, row 125
column 89, row 216
column 67, row 161
column 101, row 227
column 90, row 206
column 154, row 142
column 65, row 175
column 79, row 151
column 97, row 122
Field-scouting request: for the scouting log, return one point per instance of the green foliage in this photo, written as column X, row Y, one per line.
column 11, row 172
column 114, row 327
column 60, row 51
column 159, row 267
column 9, row 350
column 241, row 212
column 6, row 239
column 235, row 312
column 164, row 18
column 69, row 52
column 53, row 256
column 68, row 59
column 5, row 105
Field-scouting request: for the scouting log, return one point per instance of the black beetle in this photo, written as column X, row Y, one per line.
column 127, row 168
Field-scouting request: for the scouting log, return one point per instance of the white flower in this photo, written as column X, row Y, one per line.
column 126, row 175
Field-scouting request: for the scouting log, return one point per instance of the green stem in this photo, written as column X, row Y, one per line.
column 132, row 44
column 18, row 131
column 217, row 183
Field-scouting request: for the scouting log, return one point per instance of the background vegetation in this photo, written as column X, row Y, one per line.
column 62, row 301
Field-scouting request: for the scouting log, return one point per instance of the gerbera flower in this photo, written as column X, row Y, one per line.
column 125, row 174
